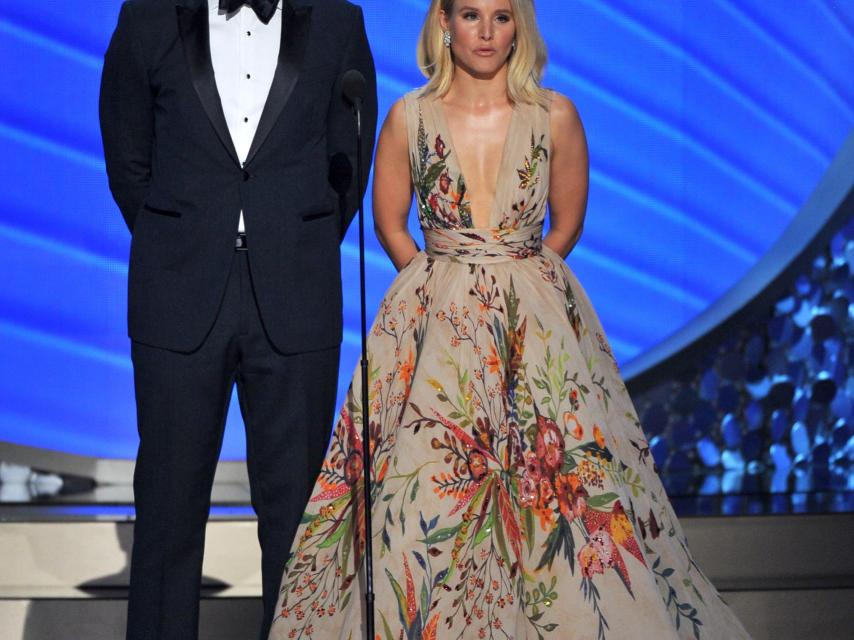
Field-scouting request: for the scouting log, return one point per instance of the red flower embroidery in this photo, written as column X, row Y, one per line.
column 433, row 201
column 477, row 464
column 444, row 182
column 353, row 468
column 550, row 445
column 527, row 492
column 532, row 466
column 571, row 495
column 440, row 147
column 546, row 492
column 529, row 484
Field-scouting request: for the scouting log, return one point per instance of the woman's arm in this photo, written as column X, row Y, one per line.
column 393, row 189
column 569, row 177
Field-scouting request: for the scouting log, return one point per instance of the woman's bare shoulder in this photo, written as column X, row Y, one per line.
column 563, row 113
column 565, row 123
column 395, row 120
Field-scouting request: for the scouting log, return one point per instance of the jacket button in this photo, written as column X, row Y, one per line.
column 246, row 176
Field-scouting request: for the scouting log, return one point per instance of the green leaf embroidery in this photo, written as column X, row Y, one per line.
column 340, row 530
column 440, row 535
column 486, row 529
column 601, row 500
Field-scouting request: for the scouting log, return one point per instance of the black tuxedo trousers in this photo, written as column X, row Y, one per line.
column 287, row 403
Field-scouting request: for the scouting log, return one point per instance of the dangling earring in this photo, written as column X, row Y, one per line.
column 513, row 46
column 446, row 38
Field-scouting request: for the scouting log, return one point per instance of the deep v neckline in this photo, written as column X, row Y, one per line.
column 439, row 108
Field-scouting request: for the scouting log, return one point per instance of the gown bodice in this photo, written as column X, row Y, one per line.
column 521, row 195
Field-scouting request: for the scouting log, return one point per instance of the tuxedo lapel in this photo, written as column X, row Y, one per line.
column 195, row 37
column 295, row 28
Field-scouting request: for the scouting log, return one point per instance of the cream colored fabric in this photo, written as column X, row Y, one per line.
column 515, row 494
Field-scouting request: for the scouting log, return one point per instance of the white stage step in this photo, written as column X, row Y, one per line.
column 787, row 577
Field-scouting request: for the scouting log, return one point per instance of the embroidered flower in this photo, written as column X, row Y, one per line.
column 527, row 492
column 477, row 464
column 444, row 182
column 532, row 466
column 547, row 493
column 493, row 360
column 571, row 422
column 353, row 468
column 440, row 147
column 598, row 554
column 550, row 445
column 598, row 437
column 407, row 368
column 589, row 560
column 433, row 201
column 571, row 495
column 529, row 482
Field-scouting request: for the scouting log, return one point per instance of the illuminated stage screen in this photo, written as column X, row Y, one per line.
column 709, row 124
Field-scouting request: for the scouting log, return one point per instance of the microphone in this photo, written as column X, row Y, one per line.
column 353, row 86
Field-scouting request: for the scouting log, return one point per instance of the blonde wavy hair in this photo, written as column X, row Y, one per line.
column 526, row 63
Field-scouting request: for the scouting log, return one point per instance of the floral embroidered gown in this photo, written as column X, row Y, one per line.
column 515, row 496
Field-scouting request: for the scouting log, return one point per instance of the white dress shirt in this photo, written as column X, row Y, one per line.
column 244, row 53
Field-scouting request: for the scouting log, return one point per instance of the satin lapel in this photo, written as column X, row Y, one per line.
column 195, row 36
column 295, row 27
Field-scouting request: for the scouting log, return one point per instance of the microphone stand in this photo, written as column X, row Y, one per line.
column 366, row 436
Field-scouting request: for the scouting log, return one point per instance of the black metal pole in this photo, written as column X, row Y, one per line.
column 366, row 435
column 353, row 86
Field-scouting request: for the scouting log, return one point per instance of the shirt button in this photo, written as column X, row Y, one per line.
column 248, row 33
column 246, row 176
column 245, row 119
column 248, row 76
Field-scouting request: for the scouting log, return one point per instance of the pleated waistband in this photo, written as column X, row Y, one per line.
column 482, row 246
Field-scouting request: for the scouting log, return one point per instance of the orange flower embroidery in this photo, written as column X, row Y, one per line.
column 493, row 362
column 597, row 435
column 574, row 426
column 407, row 368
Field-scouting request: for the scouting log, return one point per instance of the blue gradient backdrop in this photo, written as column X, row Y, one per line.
column 709, row 123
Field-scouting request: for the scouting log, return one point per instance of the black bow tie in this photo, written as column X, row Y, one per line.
column 264, row 9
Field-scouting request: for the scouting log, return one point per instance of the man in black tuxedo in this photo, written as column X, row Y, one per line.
column 220, row 121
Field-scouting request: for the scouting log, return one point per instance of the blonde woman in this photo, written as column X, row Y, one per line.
column 511, row 500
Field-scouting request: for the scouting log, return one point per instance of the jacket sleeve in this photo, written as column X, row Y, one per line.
column 127, row 118
column 341, row 124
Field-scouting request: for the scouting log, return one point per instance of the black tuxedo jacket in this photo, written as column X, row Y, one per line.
column 176, row 177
